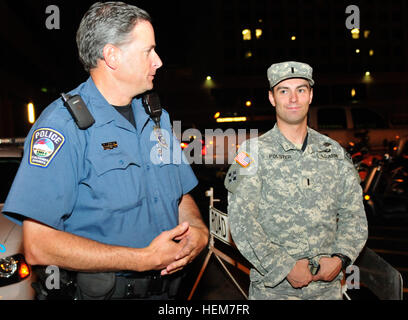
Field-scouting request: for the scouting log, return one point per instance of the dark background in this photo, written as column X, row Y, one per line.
column 197, row 39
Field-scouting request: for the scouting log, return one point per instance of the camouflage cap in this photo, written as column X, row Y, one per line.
column 288, row 70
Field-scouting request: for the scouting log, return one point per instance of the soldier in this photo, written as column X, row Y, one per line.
column 295, row 201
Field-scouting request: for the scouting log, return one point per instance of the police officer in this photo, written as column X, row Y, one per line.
column 112, row 201
column 295, row 202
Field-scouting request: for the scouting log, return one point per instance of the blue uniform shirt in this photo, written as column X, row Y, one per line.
column 112, row 183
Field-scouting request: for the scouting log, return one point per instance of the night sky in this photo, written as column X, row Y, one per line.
column 49, row 57
column 196, row 39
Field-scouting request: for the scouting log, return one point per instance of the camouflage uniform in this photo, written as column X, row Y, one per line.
column 288, row 204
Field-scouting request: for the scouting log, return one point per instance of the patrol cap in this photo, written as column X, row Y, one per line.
column 288, row 70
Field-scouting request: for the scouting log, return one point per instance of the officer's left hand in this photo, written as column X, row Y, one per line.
column 329, row 269
column 194, row 240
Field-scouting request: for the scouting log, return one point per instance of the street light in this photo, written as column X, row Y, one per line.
column 31, row 113
column 355, row 33
column 246, row 35
column 232, row 119
column 209, row 82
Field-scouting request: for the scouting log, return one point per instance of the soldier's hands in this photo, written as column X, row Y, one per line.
column 329, row 269
column 194, row 241
column 300, row 276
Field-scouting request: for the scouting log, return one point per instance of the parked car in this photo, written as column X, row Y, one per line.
column 346, row 123
column 16, row 275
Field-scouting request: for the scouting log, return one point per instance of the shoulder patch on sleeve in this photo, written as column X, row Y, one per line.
column 233, row 178
column 245, row 164
column 243, row 159
column 236, row 174
column 45, row 144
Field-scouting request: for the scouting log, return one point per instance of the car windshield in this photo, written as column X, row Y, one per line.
column 8, row 170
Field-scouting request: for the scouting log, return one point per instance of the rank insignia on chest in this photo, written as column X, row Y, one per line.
column 109, row 145
column 45, row 144
column 243, row 159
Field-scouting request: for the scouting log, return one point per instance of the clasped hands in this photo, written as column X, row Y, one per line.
column 300, row 276
column 172, row 250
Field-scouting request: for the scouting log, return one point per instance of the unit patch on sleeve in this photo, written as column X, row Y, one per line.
column 45, row 144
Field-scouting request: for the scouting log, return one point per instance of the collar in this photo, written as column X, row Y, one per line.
column 100, row 108
column 141, row 117
column 103, row 112
column 312, row 142
column 318, row 143
column 284, row 142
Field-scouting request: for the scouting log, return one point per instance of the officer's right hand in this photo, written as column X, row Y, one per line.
column 300, row 276
column 163, row 250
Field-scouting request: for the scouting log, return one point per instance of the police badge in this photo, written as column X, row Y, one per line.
column 45, row 144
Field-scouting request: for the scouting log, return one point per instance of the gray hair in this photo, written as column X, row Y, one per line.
column 109, row 22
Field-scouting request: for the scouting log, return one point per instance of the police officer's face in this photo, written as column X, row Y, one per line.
column 139, row 60
column 292, row 98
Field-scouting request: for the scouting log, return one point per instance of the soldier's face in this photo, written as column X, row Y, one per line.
column 291, row 99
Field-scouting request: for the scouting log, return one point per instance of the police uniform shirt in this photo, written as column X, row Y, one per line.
column 112, row 183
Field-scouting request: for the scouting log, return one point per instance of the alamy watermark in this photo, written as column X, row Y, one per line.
column 53, row 280
column 213, row 146
column 353, row 278
column 353, row 20
column 53, row 21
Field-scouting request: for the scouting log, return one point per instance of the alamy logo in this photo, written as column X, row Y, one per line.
column 53, row 280
column 353, row 278
column 353, row 20
column 53, row 20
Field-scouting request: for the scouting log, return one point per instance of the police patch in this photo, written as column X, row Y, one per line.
column 45, row 144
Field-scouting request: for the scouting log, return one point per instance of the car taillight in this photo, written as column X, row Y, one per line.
column 23, row 270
